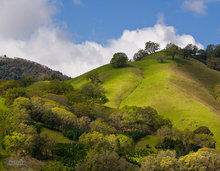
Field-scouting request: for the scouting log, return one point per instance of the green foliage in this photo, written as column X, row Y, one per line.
column 103, row 127
column 14, row 93
column 51, row 120
column 135, row 135
column 213, row 63
column 165, row 160
column 73, row 134
column 210, row 50
column 15, row 142
column 7, row 84
column 105, row 161
column 18, row 68
column 67, row 119
column 94, row 93
column 139, row 55
column 151, row 47
column 99, row 141
column 171, row 50
column 204, row 159
column 70, row 154
column 119, row 60
column 217, row 51
column 183, row 141
column 58, row 87
column 135, row 157
column 27, row 81
column 202, row 130
column 60, row 99
column 143, row 119
column 93, row 77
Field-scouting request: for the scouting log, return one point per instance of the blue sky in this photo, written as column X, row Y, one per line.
column 100, row 20
column 75, row 36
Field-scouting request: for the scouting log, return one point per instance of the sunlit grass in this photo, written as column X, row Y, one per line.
column 181, row 90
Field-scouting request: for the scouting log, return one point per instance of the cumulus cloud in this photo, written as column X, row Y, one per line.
column 197, row 6
column 27, row 31
column 49, row 46
column 20, row 18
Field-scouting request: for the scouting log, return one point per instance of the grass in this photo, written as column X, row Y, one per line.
column 2, row 103
column 38, row 85
column 150, row 140
column 181, row 90
column 128, row 78
column 57, row 136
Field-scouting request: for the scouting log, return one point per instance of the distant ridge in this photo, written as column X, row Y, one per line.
column 18, row 68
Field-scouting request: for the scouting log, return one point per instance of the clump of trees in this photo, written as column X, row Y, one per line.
column 172, row 50
column 183, row 141
column 140, row 54
column 119, row 60
column 210, row 56
column 151, row 47
column 203, row 159
column 18, row 68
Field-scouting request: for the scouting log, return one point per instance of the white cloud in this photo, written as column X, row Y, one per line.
column 197, row 6
column 19, row 18
column 50, row 47
column 32, row 35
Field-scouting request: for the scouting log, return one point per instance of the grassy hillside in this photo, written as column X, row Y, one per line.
column 181, row 90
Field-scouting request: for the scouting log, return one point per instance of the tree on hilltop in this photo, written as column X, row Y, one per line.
column 119, row 60
column 171, row 50
column 151, row 47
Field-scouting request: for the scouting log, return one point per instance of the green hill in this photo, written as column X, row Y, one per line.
column 184, row 90
column 18, row 68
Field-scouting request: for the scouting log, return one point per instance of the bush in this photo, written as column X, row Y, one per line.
column 14, row 93
column 135, row 135
column 58, row 87
column 73, row 134
column 105, row 161
column 161, row 58
column 70, row 154
column 119, row 60
column 94, row 93
column 202, row 130
column 213, row 63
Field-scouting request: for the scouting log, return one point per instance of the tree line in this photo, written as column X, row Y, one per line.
column 210, row 56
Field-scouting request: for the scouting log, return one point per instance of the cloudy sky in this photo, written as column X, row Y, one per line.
column 75, row 36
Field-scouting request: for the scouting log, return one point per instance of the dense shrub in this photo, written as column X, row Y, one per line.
column 105, row 161
column 73, row 134
column 202, row 130
column 135, row 135
column 58, row 87
column 14, row 93
column 70, row 154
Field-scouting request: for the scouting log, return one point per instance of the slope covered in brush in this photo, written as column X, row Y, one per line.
column 183, row 90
